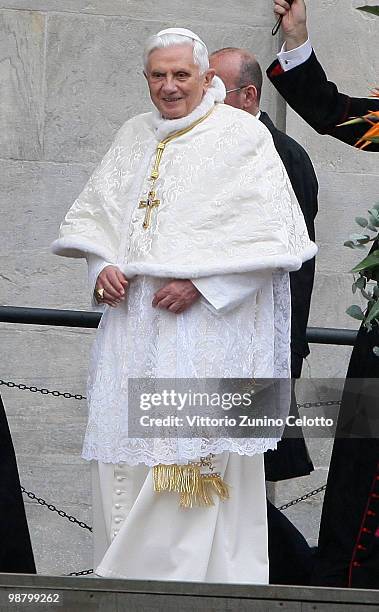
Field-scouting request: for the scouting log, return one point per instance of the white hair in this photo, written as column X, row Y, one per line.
column 200, row 51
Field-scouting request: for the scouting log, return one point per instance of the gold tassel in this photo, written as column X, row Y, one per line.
column 195, row 489
column 205, row 497
column 219, row 485
column 212, row 484
column 186, row 500
column 167, row 477
column 208, row 485
column 179, row 478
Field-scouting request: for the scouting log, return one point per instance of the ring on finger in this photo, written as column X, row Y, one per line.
column 100, row 293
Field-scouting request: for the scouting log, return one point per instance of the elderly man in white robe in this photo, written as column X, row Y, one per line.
column 189, row 226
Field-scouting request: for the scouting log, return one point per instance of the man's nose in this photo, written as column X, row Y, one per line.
column 169, row 85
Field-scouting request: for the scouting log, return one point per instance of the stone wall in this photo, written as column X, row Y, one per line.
column 70, row 75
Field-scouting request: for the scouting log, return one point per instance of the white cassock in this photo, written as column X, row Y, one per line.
column 226, row 219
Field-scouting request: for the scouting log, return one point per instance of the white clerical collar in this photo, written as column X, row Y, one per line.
column 163, row 127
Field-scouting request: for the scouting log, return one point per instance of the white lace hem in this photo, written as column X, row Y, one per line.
column 190, row 450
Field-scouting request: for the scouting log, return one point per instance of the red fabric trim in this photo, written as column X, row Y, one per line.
column 366, row 513
column 277, row 70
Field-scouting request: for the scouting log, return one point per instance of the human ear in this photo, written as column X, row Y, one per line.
column 208, row 78
column 250, row 102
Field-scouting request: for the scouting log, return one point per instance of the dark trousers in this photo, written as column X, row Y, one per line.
column 290, row 557
column 291, row 458
column 348, row 550
column 16, row 554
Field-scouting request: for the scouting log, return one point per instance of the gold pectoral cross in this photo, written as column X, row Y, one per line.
column 152, row 201
column 149, row 204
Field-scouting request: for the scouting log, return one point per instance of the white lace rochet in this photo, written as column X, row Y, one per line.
column 136, row 340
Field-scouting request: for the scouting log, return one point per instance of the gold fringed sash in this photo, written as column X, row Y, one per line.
column 194, row 488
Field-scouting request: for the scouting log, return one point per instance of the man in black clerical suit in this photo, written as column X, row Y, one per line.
column 242, row 76
column 348, row 553
column 16, row 554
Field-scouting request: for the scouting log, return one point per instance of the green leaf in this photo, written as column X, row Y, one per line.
column 374, row 10
column 366, row 295
column 373, row 313
column 374, row 139
column 361, row 221
column 375, row 350
column 376, row 206
column 355, row 312
column 354, row 245
column 372, row 228
column 371, row 261
column 349, row 243
column 360, row 238
column 360, row 283
column 352, row 121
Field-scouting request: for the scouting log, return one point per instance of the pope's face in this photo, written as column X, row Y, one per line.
column 175, row 83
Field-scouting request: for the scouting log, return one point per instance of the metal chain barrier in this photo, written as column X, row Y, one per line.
column 72, row 519
column 22, row 387
column 86, row 572
column 51, row 507
column 78, row 396
column 319, row 404
column 302, row 498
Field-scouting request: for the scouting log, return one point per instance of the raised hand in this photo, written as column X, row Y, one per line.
column 294, row 22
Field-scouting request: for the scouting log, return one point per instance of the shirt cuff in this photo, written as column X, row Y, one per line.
column 221, row 294
column 290, row 59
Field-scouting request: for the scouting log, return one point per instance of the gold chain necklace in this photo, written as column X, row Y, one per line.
column 151, row 201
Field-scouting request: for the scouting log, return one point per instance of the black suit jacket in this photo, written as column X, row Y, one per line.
column 291, row 458
column 304, row 182
column 318, row 101
column 348, row 551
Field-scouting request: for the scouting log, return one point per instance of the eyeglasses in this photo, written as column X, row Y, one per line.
column 237, row 88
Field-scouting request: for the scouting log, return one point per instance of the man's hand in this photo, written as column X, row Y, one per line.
column 114, row 283
column 177, row 296
column 294, row 23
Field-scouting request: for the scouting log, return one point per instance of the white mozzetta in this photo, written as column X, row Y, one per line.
column 226, row 203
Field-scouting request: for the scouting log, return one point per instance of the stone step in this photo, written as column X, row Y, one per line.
column 108, row 595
